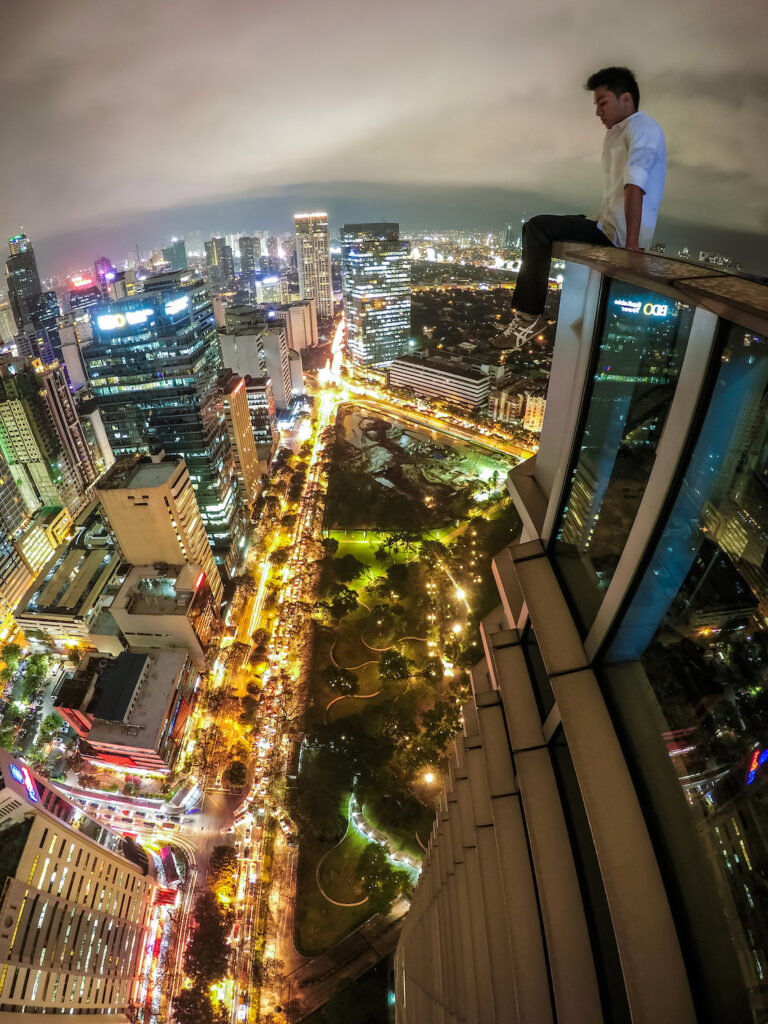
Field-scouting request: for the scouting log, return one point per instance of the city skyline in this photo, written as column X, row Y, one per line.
column 526, row 141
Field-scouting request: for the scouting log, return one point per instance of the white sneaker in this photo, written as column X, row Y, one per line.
column 523, row 327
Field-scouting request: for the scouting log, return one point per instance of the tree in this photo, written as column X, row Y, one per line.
column 347, row 568
column 194, row 1006
column 10, row 655
column 260, row 638
column 433, row 670
column 343, row 600
column 49, row 726
column 222, row 867
column 207, row 953
column 380, row 881
column 280, row 556
column 341, row 680
column 331, row 545
column 237, row 774
column 393, row 666
column 250, row 709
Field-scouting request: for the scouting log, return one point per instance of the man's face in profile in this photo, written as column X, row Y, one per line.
column 612, row 109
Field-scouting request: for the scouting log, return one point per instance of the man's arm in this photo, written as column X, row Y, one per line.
column 633, row 213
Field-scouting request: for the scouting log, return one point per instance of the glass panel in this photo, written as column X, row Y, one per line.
column 699, row 626
column 639, row 359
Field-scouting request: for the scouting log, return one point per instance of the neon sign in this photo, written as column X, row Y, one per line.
column 131, row 317
column 176, row 305
column 82, row 282
column 634, row 306
column 758, row 759
column 23, row 777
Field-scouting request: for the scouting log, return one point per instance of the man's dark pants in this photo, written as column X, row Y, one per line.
column 539, row 233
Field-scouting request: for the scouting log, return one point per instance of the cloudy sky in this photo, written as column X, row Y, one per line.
column 123, row 123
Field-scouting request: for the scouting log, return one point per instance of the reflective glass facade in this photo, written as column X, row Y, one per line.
column 377, row 292
column 687, row 671
column 638, row 359
column 153, row 366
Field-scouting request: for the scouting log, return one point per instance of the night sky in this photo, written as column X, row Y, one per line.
column 125, row 123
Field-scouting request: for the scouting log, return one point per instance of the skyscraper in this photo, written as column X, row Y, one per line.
column 220, row 261
column 250, row 250
column 154, row 516
column 153, row 365
column 241, row 436
column 600, row 849
column 74, row 907
column 22, row 281
column 377, row 291
column 15, row 576
column 40, row 435
column 176, row 254
column 313, row 258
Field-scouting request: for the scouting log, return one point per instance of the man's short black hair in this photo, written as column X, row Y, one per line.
column 615, row 80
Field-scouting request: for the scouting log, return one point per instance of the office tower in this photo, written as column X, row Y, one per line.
column 153, row 365
column 15, row 574
column 89, row 414
column 313, row 257
column 377, row 292
column 270, row 289
column 261, row 405
column 74, row 335
column 104, row 270
column 130, row 713
column 45, row 317
column 296, row 367
column 40, row 435
column 241, row 438
column 219, row 261
column 300, row 320
column 176, row 254
column 240, row 340
column 153, row 513
column 273, row 249
column 74, row 908
column 600, row 849
column 22, row 281
column 278, row 365
column 250, row 250
column 446, row 379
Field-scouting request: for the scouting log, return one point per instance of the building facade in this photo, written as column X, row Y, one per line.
column 74, row 908
column 153, row 364
column 152, row 511
column 441, row 378
column 600, row 849
column 313, row 259
column 376, row 278
column 22, row 281
column 300, row 321
column 241, row 438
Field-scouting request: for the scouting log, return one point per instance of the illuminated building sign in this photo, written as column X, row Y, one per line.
column 758, row 759
column 23, row 777
column 176, row 305
column 131, row 317
column 199, row 580
column 82, row 282
column 635, row 307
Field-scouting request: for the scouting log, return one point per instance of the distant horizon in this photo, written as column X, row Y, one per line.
column 415, row 210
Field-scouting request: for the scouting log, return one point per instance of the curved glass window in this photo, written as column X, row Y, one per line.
column 641, row 351
column 689, row 684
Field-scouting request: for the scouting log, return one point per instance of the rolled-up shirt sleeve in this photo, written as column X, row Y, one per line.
column 644, row 147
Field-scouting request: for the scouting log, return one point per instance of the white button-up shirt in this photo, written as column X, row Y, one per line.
column 634, row 153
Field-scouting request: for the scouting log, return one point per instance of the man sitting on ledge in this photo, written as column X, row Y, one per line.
column 634, row 166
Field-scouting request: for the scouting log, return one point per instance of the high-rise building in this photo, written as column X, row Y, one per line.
column 22, row 281
column 247, row 466
column 261, row 405
column 250, row 250
column 8, row 328
column 600, row 850
column 300, row 320
column 446, row 379
column 220, row 261
column 15, row 574
column 313, row 257
column 75, row 905
column 240, row 340
column 277, row 363
column 105, row 271
column 41, row 437
column 153, row 513
column 376, row 278
column 175, row 255
column 153, row 365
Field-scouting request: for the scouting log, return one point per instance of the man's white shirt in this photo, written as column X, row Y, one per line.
column 634, row 153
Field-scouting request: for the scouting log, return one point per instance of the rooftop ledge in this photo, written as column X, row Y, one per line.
column 735, row 297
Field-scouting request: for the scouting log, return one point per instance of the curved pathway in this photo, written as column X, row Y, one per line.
column 346, row 696
column 418, row 840
column 420, row 639
column 320, row 863
column 351, row 668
